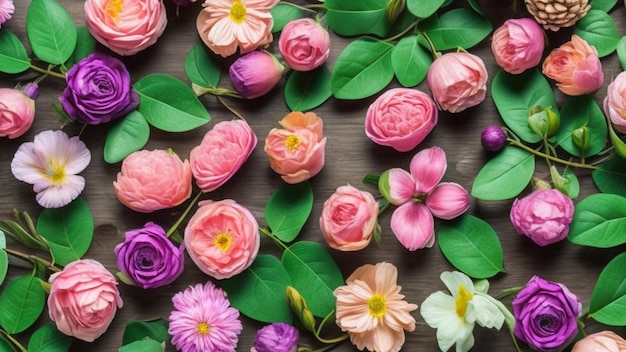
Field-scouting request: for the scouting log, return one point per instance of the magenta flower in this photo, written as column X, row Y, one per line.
column 276, row 337
column 419, row 195
column 203, row 320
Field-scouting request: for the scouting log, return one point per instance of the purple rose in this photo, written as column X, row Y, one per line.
column 545, row 315
column 149, row 258
column 255, row 73
column 276, row 337
column 98, row 90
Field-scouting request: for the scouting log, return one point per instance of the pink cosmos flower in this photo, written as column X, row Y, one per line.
column 6, row 10
column 203, row 320
column 224, row 25
column 51, row 164
column 420, row 195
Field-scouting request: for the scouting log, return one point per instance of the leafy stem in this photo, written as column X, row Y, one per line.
column 401, row 34
column 47, row 72
column 267, row 232
column 318, row 331
column 184, row 215
column 550, row 157
column 433, row 50
column 509, row 291
column 13, row 341
column 33, row 259
column 230, row 108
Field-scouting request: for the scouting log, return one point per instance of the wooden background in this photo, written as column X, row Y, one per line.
column 349, row 156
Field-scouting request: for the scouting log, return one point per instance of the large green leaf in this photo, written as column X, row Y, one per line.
column 599, row 221
column 285, row 12
column 423, row 9
column 126, row 135
column 288, row 209
column 305, row 91
column 456, row 28
column 410, row 61
column 603, row 5
column 49, row 339
column 139, row 330
column 22, row 302
column 505, row 175
column 13, row 55
column 599, row 30
column 85, row 45
column 201, row 69
column 610, row 177
column 51, row 31
column 147, row 345
column 5, row 345
column 608, row 300
column 579, row 112
column 349, row 18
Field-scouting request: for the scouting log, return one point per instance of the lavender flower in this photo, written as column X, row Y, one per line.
column 276, row 337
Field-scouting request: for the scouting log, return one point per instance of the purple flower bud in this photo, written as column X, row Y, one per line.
column 31, row 90
column 256, row 73
column 276, row 337
column 493, row 138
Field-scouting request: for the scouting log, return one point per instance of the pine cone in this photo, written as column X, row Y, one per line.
column 554, row 14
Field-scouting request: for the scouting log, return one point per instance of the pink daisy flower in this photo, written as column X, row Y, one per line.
column 203, row 320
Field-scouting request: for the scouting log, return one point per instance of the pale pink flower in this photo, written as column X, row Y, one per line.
column 222, row 238
column 17, row 112
column 304, row 44
column 222, row 152
column 372, row 310
column 51, row 164
column 6, row 10
column 518, row 44
column 224, row 25
column 203, row 320
column 604, row 341
column 615, row 102
column 420, row 195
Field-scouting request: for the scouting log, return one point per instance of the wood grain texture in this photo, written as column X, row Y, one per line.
column 349, row 156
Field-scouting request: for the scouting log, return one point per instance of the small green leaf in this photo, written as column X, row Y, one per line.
column 410, row 61
column 599, row 30
column 621, row 52
column 618, row 144
column 472, row 246
column 285, row 12
column 3, row 240
column 51, row 31
column 201, row 69
column 608, row 299
column 13, row 55
column 139, row 330
column 68, row 230
column 85, row 45
column 305, row 91
column 49, row 339
column 423, row 9
column 602, row 5
column 505, row 175
column 126, row 135
column 288, row 209
column 599, row 221
column 5, row 345
column 475, row 6
column 4, row 265
column 348, row 18
column 610, row 177
column 22, row 302
column 582, row 111
column 456, row 28
column 147, row 345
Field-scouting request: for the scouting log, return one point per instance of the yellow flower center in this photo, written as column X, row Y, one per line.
column 462, row 300
column 55, row 172
column 203, row 328
column 237, row 11
column 223, row 240
column 377, row 306
column 292, row 142
column 114, row 8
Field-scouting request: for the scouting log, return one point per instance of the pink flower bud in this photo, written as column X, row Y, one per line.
column 615, row 102
column 304, row 44
column 604, row 341
column 518, row 45
column 17, row 112
column 255, row 74
column 458, row 81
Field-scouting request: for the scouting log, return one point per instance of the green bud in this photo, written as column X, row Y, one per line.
column 558, row 180
column 383, row 186
column 394, row 8
column 543, row 122
column 298, row 305
column 580, row 137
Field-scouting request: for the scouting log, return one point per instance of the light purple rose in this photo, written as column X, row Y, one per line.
column 545, row 315
column 149, row 258
column 276, row 337
column 255, row 74
column 98, row 90
column 544, row 216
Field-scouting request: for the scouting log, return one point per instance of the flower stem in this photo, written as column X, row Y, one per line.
column 333, row 341
column 230, row 108
column 267, row 232
column 401, row 34
column 433, row 50
column 550, row 157
column 47, row 72
column 33, row 259
column 13, row 341
column 184, row 215
column 509, row 291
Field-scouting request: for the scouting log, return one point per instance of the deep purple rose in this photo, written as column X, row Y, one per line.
column 149, row 258
column 545, row 315
column 98, row 90
column 276, row 337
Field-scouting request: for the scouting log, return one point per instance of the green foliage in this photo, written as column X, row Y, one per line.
column 285, row 12
column 603, row 5
column 51, row 31
column 141, row 330
column 617, row 142
column 608, row 300
column 4, row 260
column 22, row 302
column 13, row 55
column 621, row 52
column 201, row 69
column 599, row 30
column 305, row 91
column 505, row 175
column 610, row 177
column 126, row 135
column 147, row 345
column 49, row 339
column 410, row 61
column 599, row 221
column 348, row 18
column 579, row 112
column 424, row 9
column 456, row 28
column 85, row 45
column 288, row 209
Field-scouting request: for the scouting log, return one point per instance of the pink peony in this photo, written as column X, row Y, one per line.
column 17, row 112
column 222, row 152
column 304, row 44
column 518, row 44
column 83, row 299
column 126, row 26
column 153, row 180
column 401, row 118
column 615, row 102
column 255, row 74
column 604, row 341
column 222, row 238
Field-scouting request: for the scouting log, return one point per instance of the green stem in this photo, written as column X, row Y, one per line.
column 433, row 50
column 13, row 341
column 333, row 341
column 230, row 108
column 401, row 34
column 546, row 146
column 182, row 217
column 326, row 348
column 509, row 291
column 32, row 258
column 318, row 331
column 313, row 7
column 47, row 72
column 267, row 232
column 550, row 157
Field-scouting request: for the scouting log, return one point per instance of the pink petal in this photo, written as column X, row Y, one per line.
column 427, row 168
column 413, row 225
column 401, row 186
column 448, row 200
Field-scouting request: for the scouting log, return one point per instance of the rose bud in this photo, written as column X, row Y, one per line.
column 544, row 122
column 604, row 341
column 255, row 74
column 276, row 337
column 304, row 44
column 615, row 102
column 493, row 138
column 17, row 110
column 518, row 44
column 581, row 137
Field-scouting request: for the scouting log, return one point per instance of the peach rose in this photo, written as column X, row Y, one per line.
column 17, row 112
column 518, row 44
column 83, row 299
column 296, row 151
column 575, row 67
column 615, row 102
column 349, row 219
column 304, row 44
column 153, row 180
column 604, row 341
column 222, row 238
column 125, row 26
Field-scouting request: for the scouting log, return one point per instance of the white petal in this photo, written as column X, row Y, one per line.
column 438, row 308
column 487, row 313
column 452, row 280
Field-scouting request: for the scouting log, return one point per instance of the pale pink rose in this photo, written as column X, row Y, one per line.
column 153, row 180
column 604, row 341
column 349, row 219
column 17, row 112
column 304, row 44
column 615, row 102
column 457, row 81
column 222, row 238
column 125, row 26
column 83, row 299
column 401, row 118
column 575, row 66
column 297, row 151
column 222, row 152
column 518, row 44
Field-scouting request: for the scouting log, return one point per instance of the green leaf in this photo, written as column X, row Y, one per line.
column 148, row 345
column 4, row 265
column 362, row 69
column 314, row 274
column 505, row 175
column 288, row 209
column 13, row 55
column 599, row 30
column 5, row 345
column 621, row 52
column 201, row 69
column 22, row 302
column 456, row 28
column 49, row 339
column 261, row 286
column 285, row 12
column 410, row 61
column 126, row 135
column 169, row 104
column 423, row 9
column 475, row 6
column 348, row 18
column 139, row 330
column 3, row 240
column 578, row 112
column 608, row 299
column 51, row 31
column 618, row 144
column 610, row 177
column 514, row 95
column 602, row 5
column 305, row 91
column 68, row 230
column 472, row 246
column 85, row 45
column 599, row 221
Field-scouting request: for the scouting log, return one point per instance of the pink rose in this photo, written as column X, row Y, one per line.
column 575, row 67
column 518, row 45
column 615, row 102
column 153, row 180
column 83, row 299
column 458, row 81
column 349, row 219
column 255, row 74
column 222, row 238
column 296, row 151
column 604, row 341
column 304, row 44
column 125, row 26
column 544, row 216
column 17, row 112
column 222, row 152
column 401, row 118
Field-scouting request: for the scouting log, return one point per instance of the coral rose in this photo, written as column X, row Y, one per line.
column 615, row 102
column 304, row 44
column 518, row 44
column 17, row 112
column 255, row 74
column 153, row 180
column 222, row 238
column 604, row 341
column 83, row 299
